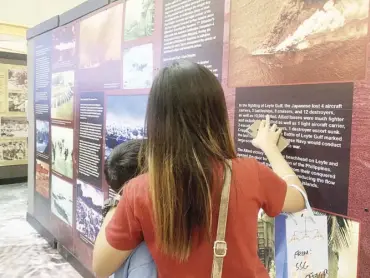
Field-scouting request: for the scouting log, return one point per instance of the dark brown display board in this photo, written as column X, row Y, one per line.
column 302, row 62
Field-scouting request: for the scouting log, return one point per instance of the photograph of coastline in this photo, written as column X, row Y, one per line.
column 61, row 199
column 138, row 67
column 62, row 95
column 100, row 38
column 89, row 210
column 139, row 19
column 125, row 119
column 297, row 41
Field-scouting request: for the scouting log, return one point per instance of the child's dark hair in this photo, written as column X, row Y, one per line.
column 123, row 163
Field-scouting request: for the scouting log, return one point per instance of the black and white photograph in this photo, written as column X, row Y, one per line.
column 138, row 67
column 13, row 150
column 61, row 199
column 14, row 127
column 88, row 210
column 42, row 136
column 125, row 120
column 343, row 246
column 17, row 89
column 139, row 19
column 62, row 150
column 17, row 102
column 62, row 95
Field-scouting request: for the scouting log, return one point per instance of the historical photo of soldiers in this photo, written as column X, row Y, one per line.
column 14, row 127
column 62, row 150
column 62, row 95
column 13, row 150
column 17, row 89
column 89, row 210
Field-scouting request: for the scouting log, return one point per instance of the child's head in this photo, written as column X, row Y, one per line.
column 123, row 164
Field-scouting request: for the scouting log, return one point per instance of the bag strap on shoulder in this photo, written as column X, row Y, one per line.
column 220, row 245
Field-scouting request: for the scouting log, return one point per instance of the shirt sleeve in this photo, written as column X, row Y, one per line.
column 272, row 190
column 124, row 231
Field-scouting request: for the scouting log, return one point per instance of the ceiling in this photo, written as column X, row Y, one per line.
column 32, row 12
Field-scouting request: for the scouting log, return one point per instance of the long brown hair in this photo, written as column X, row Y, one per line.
column 188, row 131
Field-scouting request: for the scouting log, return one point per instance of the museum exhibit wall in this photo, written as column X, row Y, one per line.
column 305, row 64
column 13, row 99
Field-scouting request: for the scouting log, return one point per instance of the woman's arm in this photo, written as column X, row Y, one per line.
column 294, row 200
column 106, row 259
column 266, row 140
column 119, row 235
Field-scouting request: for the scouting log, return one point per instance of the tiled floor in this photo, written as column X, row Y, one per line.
column 23, row 253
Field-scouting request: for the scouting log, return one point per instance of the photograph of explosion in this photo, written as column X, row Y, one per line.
column 62, row 95
column 61, row 199
column 297, row 41
column 14, row 127
column 62, row 150
column 343, row 248
column 42, row 136
column 42, row 178
column 125, row 119
column 139, row 19
column 138, row 67
column 100, row 38
column 88, row 211
column 17, row 89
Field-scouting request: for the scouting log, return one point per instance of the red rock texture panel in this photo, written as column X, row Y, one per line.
column 359, row 193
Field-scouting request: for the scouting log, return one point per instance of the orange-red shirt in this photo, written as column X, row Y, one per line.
column 253, row 186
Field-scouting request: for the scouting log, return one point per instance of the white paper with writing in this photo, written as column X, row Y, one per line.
column 307, row 247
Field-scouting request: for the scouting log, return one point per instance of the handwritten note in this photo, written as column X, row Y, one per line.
column 307, row 247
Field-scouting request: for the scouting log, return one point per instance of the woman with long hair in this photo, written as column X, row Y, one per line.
column 174, row 205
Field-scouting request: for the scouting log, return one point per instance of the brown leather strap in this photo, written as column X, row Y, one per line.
column 220, row 246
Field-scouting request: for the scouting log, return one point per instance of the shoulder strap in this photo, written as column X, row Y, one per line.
column 220, row 245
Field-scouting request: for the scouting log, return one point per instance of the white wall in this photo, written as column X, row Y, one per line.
column 32, row 12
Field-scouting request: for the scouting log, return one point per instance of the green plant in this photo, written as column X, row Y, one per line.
column 339, row 237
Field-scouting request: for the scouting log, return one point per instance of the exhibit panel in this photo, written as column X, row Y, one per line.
column 13, row 102
column 302, row 63
column 13, row 121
